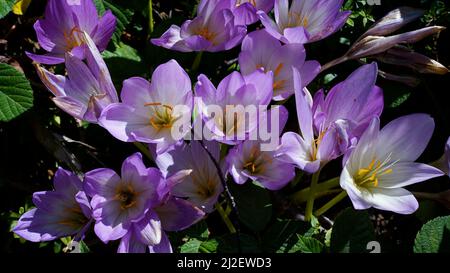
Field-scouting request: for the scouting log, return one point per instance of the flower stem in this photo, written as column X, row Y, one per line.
column 150, row 17
column 227, row 192
column 302, row 195
column 333, row 63
column 311, row 196
column 196, row 63
column 330, row 204
column 143, row 149
column 225, row 218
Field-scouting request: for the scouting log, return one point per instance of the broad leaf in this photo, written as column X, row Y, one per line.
column 253, row 204
column 5, row 7
column 434, row 237
column 307, row 245
column 352, row 231
column 281, row 236
column 16, row 95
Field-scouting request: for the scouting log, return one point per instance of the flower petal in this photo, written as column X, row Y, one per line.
column 407, row 173
column 177, row 214
column 405, row 138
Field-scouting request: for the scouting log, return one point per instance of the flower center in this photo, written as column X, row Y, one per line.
column 296, row 19
column 229, row 124
column 162, row 116
column 369, row 176
column 205, row 33
column 126, row 195
column 315, row 145
column 75, row 217
column 278, row 84
column 256, row 161
column 205, row 183
column 240, row 2
column 72, row 38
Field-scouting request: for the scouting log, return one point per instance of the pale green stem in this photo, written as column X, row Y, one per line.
column 150, row 17
column 311, row 196
column 196, row 63
column 143, row 149
column 330, row 204
column 225, row 218
column 302, row 195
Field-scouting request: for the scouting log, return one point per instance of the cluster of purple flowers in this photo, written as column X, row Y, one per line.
column 141, row 203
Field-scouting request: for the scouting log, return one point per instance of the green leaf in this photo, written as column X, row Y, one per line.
column 352, row 230
column 434, row 237
column 122, row 51
column 123, row 17
column 280, row 236
column 100, row 6
column 306, row 245
column 350, row 22
column 16, row 95
column 329, row 78
column 199, row 231
column 209, row 246
column 124, row 56
column 191, row 246
column 253, row 204
column 5, row 7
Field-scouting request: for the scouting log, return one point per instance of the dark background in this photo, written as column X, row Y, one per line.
column 33, row 145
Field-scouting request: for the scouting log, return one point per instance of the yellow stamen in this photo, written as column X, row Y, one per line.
column 161, row 119
column 369, row 177
column 279, row 84
column 278, row 69
column 205, row 33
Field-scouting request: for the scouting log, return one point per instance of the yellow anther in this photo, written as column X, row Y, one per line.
column 278, row 69
column 369, row 177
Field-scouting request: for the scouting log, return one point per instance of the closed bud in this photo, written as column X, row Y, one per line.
column 393, row 21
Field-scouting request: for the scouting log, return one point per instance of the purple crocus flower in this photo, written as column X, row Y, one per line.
column 304, row 21
column 88, row 87
column 245, row 11
column 248, row 161
column 214, row 29
column 149, row 112
column 383, row 163
column 203, row 186
column 64, row 211
column 136, row 207
column 226, row 110
column 173, row 214
column 261, row 51
column 62, row 29
column 331, row 126
column 349, row 106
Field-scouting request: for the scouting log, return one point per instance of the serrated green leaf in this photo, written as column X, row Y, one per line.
column 6, row 7
column 16, row 95
column 254, row 205
column 209, row 246
column 352, row 230
column 434, row 237
column 123, row 18
column 100, row 6
column 122, row 51
column 191, row 246
column 124, row 56
column 280, row 236
column 306, row 245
